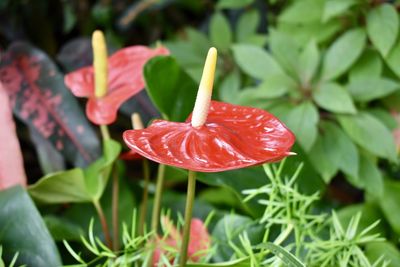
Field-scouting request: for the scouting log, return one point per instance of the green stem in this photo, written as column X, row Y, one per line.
column 188, row 217
column 114, row 205
column 103, row 222
column 143, row 207
column 105, row 134
column 157, row 198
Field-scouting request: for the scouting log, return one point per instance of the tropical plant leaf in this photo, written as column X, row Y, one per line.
column 365, row 89
column 220, row 32
column 22, row 230
column 41, row 100
column 172, row 91
column 368, row 65
column 288, row 258
column 333, row 97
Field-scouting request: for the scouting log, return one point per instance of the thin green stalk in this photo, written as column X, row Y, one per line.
column 105, row 134
column 143, row 207
column 103, row 222
column 188, row 217
column 115, row 202
column 157, row 198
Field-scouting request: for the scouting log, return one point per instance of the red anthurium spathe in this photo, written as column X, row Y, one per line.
column 125, row 79
column 199, row 242
column 232, row 137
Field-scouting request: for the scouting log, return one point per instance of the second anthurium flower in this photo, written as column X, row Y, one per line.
column 124, row 80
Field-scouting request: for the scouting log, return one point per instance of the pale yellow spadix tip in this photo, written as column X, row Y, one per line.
column 203, row 99
column 100, row 65
column 137, row 121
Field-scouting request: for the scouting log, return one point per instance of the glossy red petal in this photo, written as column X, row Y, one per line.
column 233, row 137
column 125, row 79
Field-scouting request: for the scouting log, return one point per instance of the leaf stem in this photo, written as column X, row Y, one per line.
column 157, row 198
column 114, row 205
column 188, row 217
column 103, row 222
column 145, row 196
column 105, row 133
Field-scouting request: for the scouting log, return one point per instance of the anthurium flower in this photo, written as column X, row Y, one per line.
column 199, row 242
column 125, row 79
column 217, row 137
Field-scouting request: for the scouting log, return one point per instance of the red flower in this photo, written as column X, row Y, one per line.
column 199, row 242
column 125, row 79
column 232, row 137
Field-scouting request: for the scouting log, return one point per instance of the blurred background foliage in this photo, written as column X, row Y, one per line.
column 329, row 69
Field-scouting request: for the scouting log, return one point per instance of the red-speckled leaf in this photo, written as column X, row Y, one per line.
column 11, row 165
column 41, row 100
column 125, row 79
column 233, row 137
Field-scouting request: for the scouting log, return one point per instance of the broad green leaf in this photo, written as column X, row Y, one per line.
column 63, row 229
column 324, row 155
column 229, row 88
column 345, row 150
column 385, row 117
column 370, row 176
column 369, row 133
column 335, row 8
column 228, row 229
column 247, row 25
column 333, row 97
column 343, row 53
column 61, row 187
column 233, row 4
column 390, row 252
column 382, row 27
column 22, row 230
column 256, row 61
column 199, row 41
column 285, row 50
column 288, row 258
column 272, row 87
column 390, row 203
column 304, row 11
column 368, row 65
column 98, row 173
column 303, row 120
column 393, row 59
column 366, row 89
column 220, row 32
column 172, row 91
column 308, row 62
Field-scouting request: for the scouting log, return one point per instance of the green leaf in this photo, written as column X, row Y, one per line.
column 243, row 262
column 285, row 50
column 335, row 8
column 333, row 97
column 288, row 258
column 255, row 61
column 98, row 173
column 390, row 203
column 172, row 91
column 368, row 65
column 369, row 133
column 382, row 27
column 63, row 229
column 303, row 120
column 346, row 153
column 220, row 32
column 295, row 13
column 343, row 53
column 376, row 250
column 228, row 228
column 393, row 59
column 22, row 230
column 272, row 87
column 61, row 187
column 233, row 4
column 229, row 88
column 369, row 88
column 324, row 155
column 199, row 41
column 371, row 176
column 308, row 62
column 247, row 25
